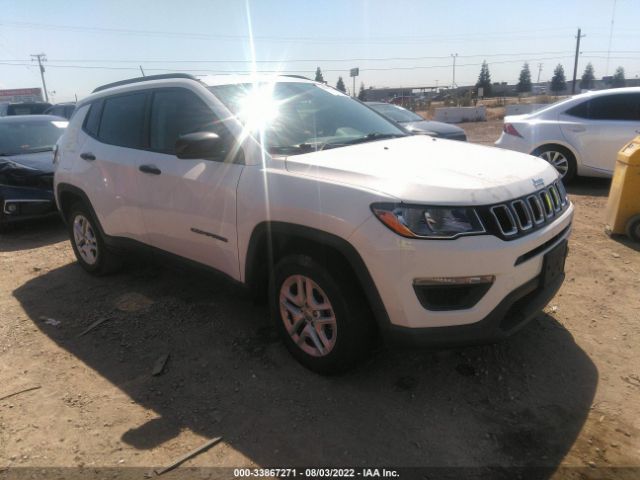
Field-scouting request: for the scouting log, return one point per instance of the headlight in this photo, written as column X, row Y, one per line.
column 418, row 221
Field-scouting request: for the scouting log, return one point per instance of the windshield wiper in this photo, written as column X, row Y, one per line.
column 296, row 149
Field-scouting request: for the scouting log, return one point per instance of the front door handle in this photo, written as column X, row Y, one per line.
column 88, row 156
column 152, row 169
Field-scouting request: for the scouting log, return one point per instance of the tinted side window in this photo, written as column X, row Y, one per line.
column 609, row 107
column 123, row 119
column 92, row 120
column 581, row 110
column 175, row 112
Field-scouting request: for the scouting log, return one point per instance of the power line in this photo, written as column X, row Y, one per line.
column 297, row 39
column 523, row 55
column 414, row 67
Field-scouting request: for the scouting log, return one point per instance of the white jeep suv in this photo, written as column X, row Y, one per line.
column 352, row 227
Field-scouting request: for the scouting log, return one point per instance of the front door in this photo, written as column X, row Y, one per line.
column 189, row 206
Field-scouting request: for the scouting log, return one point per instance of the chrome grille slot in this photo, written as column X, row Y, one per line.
column 547, row 205
column 536, row 209
column 562, row 192
column 522, row 214
column 505, row 220
column 555, row 198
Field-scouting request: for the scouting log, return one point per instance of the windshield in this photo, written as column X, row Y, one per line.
column 295, row 117
column 29, row 136
column 397, row 114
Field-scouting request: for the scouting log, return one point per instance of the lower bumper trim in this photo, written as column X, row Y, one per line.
column 514, row 312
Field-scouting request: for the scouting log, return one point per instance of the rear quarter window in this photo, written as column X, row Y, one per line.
column 92, row 121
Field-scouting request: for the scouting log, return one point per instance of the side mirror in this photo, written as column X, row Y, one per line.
column 207, row 145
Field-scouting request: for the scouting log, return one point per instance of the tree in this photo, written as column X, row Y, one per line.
column 618, row 80
column 588, row 78
column 319, row 77
column 524, row 83
column 362, row 94
column 340, row 85
column 484, row 79
column 558, row 81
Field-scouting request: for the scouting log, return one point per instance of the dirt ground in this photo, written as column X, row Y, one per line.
column 563, row 394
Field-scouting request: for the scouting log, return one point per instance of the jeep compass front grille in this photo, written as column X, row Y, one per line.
column 521, row 216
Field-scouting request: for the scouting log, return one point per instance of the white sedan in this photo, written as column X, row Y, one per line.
column 580, row 135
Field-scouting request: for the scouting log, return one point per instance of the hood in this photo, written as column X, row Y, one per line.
column 40, row 162
column 426, row 169
column 440, row 128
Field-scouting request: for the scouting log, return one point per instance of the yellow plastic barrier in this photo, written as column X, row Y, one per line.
column 623, row 206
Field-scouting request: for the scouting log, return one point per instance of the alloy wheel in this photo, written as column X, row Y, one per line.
column 85, row 239
column 308, row 315
column 558, row 160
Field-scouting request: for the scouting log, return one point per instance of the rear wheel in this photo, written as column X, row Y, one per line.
column 561, row 159
column 322, row 317
column 88, row 244
column 633, row 228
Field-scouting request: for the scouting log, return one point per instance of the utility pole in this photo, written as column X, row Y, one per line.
column 41, row 57
column 575, row 63
column 453, row 82
column 613, row 14
column 539, row 72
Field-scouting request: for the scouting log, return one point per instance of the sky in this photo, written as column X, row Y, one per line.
column 393, row 42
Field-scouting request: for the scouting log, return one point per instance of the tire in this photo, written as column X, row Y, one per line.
column 320, row 344
column 561, row 158
column 88, row 243
column 633, row 228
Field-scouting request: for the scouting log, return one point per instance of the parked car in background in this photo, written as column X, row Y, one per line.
column 23, row 108
column 26, row 166
column 416, row 124
column 580, row 135
column 64, row 110
column 350, row 226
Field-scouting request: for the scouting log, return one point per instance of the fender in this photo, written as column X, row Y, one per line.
column 263, row 234
column 68, row 188
column 562, row 143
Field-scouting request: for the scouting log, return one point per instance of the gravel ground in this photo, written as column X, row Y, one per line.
column 562, row 393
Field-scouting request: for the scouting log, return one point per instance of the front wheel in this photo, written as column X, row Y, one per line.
column 322, row 316
column 561, row 159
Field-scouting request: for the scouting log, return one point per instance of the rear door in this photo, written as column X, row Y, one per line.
column 109, row 158
column 599, row 127
column 189, row 206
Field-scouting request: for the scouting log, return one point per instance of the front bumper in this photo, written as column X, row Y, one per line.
column 395, row 262
column 24, row 203
column 514, row 312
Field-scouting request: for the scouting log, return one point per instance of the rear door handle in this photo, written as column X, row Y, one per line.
column 88, row 156
column 152, row 169
column 577, row 128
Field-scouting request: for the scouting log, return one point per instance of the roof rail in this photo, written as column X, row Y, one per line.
column 144, row 79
